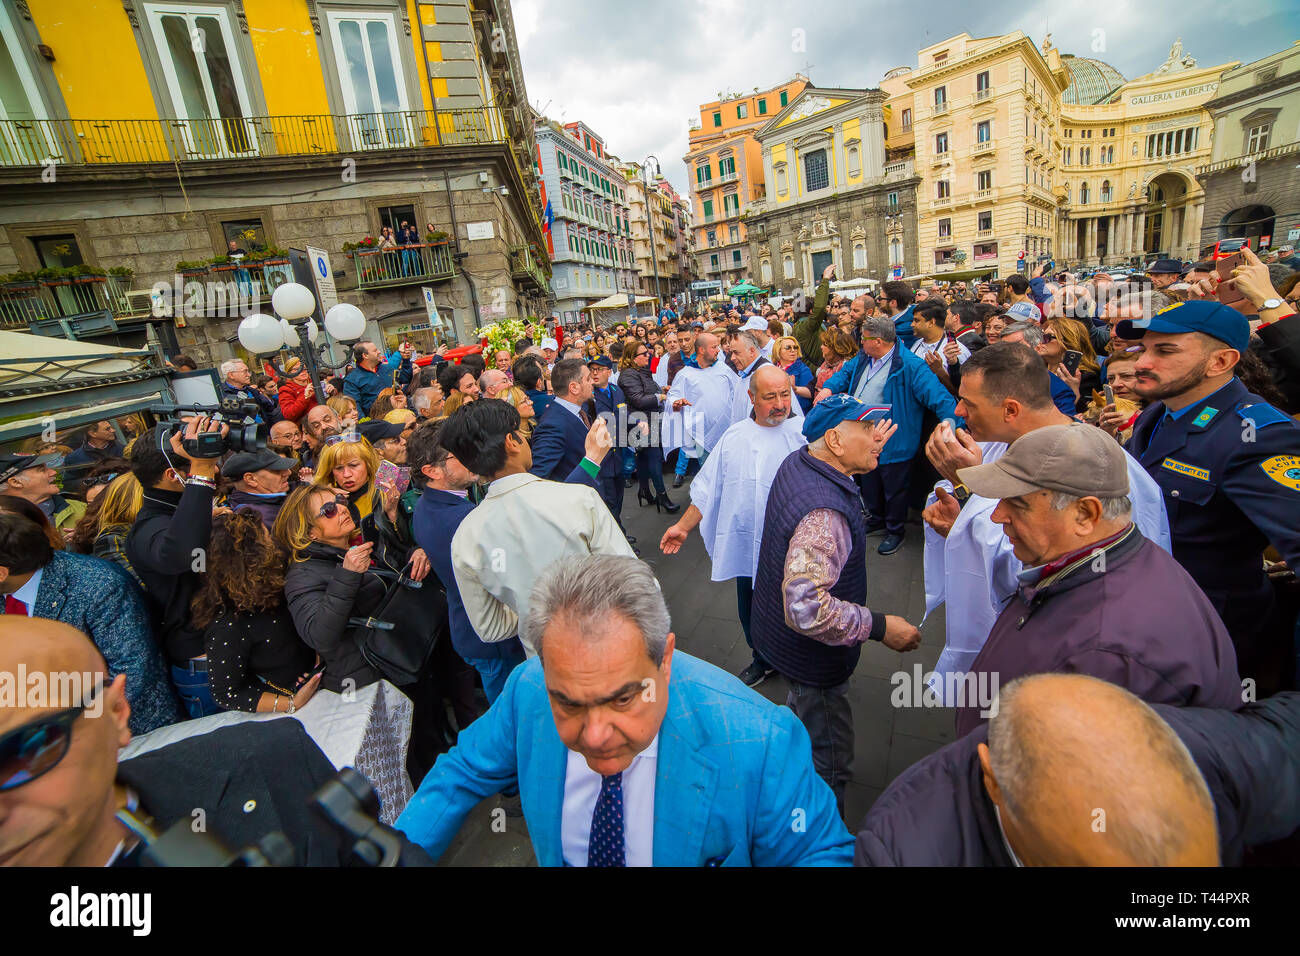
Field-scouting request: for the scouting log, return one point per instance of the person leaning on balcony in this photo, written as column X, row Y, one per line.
column 297, row 396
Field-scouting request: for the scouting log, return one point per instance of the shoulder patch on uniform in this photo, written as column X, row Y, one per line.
column 1284, row 469
column 1262, row 414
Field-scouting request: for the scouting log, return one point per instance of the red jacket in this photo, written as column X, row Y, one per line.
column 296, row 401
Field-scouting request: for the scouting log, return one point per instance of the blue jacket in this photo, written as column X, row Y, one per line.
column 607, row 401
column 363, row 386
column 541, row 402
column 910, row 390
column 734, row 784
column 903, row 327
column 99, row 598
column 437, row 516
column 559, row 444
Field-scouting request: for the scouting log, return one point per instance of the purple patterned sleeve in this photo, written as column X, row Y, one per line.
column 817, row 552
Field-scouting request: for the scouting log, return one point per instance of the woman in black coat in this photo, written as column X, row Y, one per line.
column 643, row 395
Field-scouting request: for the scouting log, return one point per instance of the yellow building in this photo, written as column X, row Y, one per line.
column 986, row 128
column 1130, row 152
column 725, row 163
column 151, row 136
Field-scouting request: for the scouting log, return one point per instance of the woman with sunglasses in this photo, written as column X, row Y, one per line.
column 1061, row 335
column 644, row 395
column 328, row 583
column 256, row 660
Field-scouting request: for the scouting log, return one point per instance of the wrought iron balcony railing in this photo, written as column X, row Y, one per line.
column 402, row 265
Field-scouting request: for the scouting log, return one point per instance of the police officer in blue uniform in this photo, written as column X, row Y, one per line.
column 606, row 400
column 1229, row 464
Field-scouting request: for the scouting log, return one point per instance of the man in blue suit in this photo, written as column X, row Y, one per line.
column 885, row 373
column 443, row 505
column 560, row 437
column 627, row 753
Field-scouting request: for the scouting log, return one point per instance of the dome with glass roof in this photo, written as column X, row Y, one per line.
column 1091, row 81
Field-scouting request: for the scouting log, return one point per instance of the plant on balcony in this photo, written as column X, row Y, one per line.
column 436, row 235
column 19, row 282
column 271, row 255
column 368, row 242
column 959, row 257
column 122, row 272
column 188, row 268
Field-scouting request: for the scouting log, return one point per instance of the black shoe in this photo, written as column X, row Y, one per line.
column 755, row 674
column 629, row 481
column 891, row 544
column 667, row 503
column 643, row 498
column 875, row 529
column 677, row 480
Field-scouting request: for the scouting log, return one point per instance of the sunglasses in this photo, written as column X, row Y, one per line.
column 35, row 749
column 346, row 437
column 100, row 479
column 1049, row 337
column 331, row 509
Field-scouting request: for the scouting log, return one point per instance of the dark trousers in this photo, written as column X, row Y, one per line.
column 745, row 610
column 650, row 468
column 611, row 492
column 884, row 493
column 827, row 717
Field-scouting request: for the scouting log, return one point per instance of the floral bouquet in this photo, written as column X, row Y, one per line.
column 502, row 335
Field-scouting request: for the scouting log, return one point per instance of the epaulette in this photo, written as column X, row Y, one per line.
column 1262, row 414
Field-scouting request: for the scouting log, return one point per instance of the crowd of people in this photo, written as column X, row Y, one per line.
column 1107, row 473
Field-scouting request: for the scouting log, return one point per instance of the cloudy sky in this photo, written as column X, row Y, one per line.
column 637, row 72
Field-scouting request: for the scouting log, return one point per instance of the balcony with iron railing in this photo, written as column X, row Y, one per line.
column 108, row 142
column 25, row 301
column 526, row 268
column 404, row 265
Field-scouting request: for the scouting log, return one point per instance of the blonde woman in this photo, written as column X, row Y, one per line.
column 789, row 356
column 346, row 409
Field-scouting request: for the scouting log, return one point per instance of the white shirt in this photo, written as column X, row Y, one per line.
column 521, row 527
column 923, row 348
column 731, row 492
column 702, row 422
column 582, row 790
column 974, row 570
column 27, row 593
column 565, row 403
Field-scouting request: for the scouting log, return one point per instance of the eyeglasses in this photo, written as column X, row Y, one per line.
column 347, row 437
column 100, row 479
column 331, row 508
column 1049, row 337
column 36, row 748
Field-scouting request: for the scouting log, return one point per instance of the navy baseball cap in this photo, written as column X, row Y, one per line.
column 1212, row 318
column 13, row 463
column 604, row 361
column 237, row 466
column 373, row 431
column 828, row 413
column 1165, row 267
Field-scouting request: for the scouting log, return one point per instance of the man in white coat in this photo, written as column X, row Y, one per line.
column 707, row 393
column 729, row 495
column 969, row 564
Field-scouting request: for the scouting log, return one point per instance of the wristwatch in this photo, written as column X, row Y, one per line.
column 1271, row 303
column 961, row 493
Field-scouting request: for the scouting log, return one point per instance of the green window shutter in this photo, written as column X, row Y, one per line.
column 708, row 207
column 783, row 98
column 717, row 119
column 762, row 107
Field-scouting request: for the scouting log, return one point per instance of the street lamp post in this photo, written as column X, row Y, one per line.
column 294, row 303
column 650, row 222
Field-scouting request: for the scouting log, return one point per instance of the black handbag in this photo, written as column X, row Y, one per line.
column 398, row 637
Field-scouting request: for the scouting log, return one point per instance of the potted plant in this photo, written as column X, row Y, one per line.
column 223, row 264
column 436, row 235
column 19, row 282
column 190, row 269
column 272, row 255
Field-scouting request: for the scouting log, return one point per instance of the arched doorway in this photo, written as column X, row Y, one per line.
column 1166, row 212
column 1249, row 222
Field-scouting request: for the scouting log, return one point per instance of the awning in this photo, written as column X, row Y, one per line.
column 953, row 276
column 619, row 301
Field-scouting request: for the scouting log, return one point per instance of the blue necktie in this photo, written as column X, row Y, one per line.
column 605, row 846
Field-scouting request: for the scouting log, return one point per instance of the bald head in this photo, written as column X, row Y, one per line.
column 1085, row 774
column 492, row 382
column 769, row 391
column 766, row 378
column 65, row 815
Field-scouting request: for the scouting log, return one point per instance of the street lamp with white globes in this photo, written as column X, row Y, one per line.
column 295, row 304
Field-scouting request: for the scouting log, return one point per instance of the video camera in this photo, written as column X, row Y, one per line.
column 244, row 434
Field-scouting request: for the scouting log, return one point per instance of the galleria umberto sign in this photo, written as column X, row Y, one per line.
column 1173, row 94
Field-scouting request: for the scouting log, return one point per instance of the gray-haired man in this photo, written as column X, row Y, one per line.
column 1095, row 596
column 628, row 752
